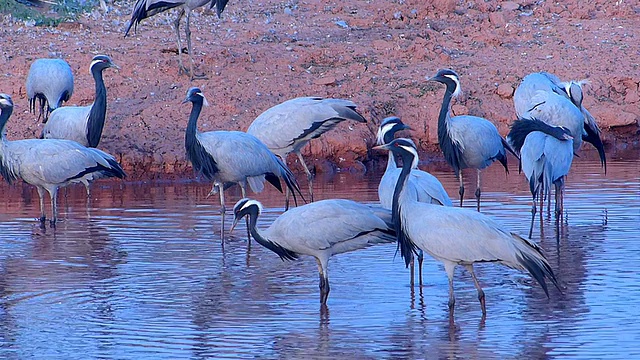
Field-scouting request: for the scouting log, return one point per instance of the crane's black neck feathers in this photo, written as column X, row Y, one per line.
column 449, row 148
column 203, row 163
column 98, row 111
column 521, row 128
column 252, row 212
column 405, row 245
column 6, row 172
column 593, row 138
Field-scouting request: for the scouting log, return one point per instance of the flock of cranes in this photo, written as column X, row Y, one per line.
column 415, row 209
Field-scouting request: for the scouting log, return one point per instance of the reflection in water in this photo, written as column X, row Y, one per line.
column 140, row 272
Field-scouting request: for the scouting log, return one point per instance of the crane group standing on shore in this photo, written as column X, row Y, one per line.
column 414, row 210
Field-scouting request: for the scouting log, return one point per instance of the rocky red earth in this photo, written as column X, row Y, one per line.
column 376, row 53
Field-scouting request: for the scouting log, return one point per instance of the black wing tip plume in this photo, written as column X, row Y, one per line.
column 220, row 5
column 539, row 270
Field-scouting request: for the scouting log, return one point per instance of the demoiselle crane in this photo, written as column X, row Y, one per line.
column 427, row 187
column 529, row 102
column 50, row 82
column 457, row 236
column 83, row 124
column 50, row 164
column 320, row 229
column 232, row 157
column 546, row 153
column 467, row 141
column 147, row 8
column 287, row 127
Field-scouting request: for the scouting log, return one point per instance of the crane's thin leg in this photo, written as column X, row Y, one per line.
column 533, row 215
column 54, row 207
column 420, row 261
column 324, row 282
column 480, row 292
column 176, row 26
column 478, row 190
column 309, row 174
column 286, row 199
column 246, row 218
column 43, row 216
column 223, row 209
column 461, row 191
column 449, row 268
column 412, row 267
column 188, row 33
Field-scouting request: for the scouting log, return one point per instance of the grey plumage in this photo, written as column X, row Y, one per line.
column 50, row 83
column 320, row 229
column 458, row 236
column 289, row 126
column 546, row 153
column 147, row 8
column 232, row 157
column 424, row 186
column 50, row 164
column 545, row 97
column 83, row 124
column 467, row 141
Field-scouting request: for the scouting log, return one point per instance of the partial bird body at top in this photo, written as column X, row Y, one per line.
column 50, row 83
column 287, row 127
column 467, row 141
column 147, row 8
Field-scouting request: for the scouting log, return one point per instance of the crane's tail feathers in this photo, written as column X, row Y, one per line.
column 116, row 170
column 290, row 180
column 141, row 12
column 503, row 160
column 351, row 113
column 220, row 5
column 533, row 260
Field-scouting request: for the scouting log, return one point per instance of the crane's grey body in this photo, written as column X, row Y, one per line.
column 51, row 164
column 50, row 81
column 424, row 186
column 289, row 126
column 467, row 141
column 546, row 154
column 457, row 236
column 320, row 229
column 545, row 97
column 231, row 157
column 147, row 8
column 83, row 124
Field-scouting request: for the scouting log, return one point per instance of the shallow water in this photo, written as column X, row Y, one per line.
column 141, row 273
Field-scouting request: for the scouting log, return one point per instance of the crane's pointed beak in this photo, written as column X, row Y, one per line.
column 381, row 147
column 113, row 65
column 233, row 226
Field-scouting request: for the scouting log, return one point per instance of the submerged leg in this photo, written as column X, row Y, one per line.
column 176, row 26
column 461, row 190
column 478, row 190
column 533, row 215
column 43, row 216
column 324, row 282
column 420, row 261
column 244, row 195
column 412, row 267
column 477, row 284
column 223, row 209
column 309, row 174
column 54, row 207
column 449, row 267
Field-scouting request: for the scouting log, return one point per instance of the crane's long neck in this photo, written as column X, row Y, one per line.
column 98, row 112
column 201, row 160
column 449, row 148
column 391, row 162
column 4, row 117
column 285, row 254
column 407, row 248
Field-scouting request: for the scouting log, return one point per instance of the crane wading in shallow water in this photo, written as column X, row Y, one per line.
column 427, row 187
column 147, row 8
column 289, row 126
column 467, row 141
column 232, row 157
column 545, row 97
column 457, row 236
column 320, row 229
column 50, row 164
column 546, row 153
column 50, row 82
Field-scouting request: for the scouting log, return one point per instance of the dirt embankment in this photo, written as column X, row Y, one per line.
column 376, row 53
